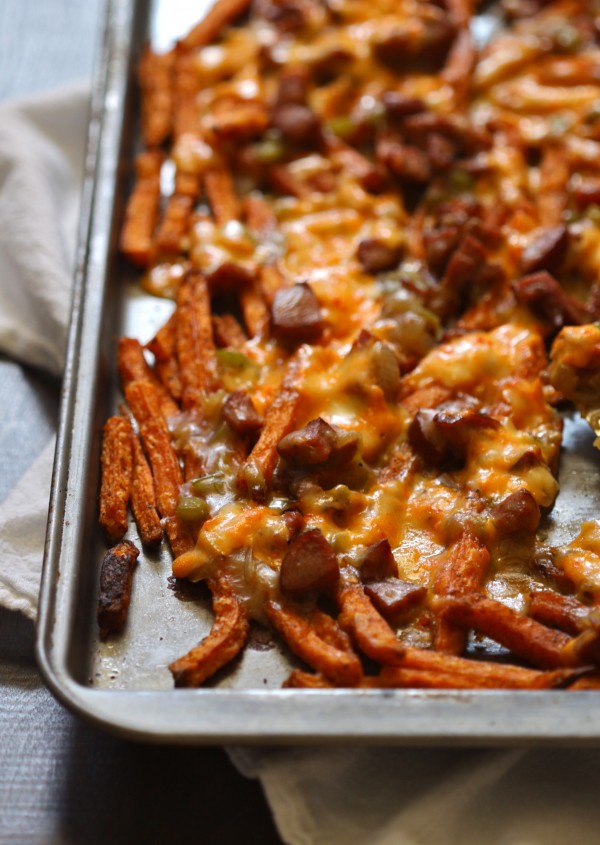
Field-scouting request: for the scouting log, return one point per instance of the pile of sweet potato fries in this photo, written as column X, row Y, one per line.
column 382, row 239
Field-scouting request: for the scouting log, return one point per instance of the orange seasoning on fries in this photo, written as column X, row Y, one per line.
column 377, row 234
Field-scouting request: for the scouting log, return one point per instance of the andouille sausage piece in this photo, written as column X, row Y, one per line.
column 310, row 445
column 378, row 562
column 543, row 294
column 394, row 596
column 116, row 576
column 240, row 414
column 296, row 316
column 375, row 255
column 309, row 565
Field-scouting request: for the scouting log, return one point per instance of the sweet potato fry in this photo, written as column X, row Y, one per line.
column 557, row 611
column 584, row 649
column 180, row 539
column 226, row 639
column 528, row 639
column 164, row 348
column 145, row 406
column 271, row 278
column 254, row 310
column 369, row 630
column 484, row 673
column 222, row 13
column 461, row 11
column 306, row 680
column 461, row 571
column 554, row 176
column 257, row 472
column 399, row 676
column 185, row 90
column 134, row 367
column 195, row 346
column 459, row 67
column 589, row 681
column 142, row 210
column 235, row 119
column 164, row 343
column 227, row 332
column 260, row 217
column 175, row 225
column 143, row 498
column 117, row 466
column 339, row 665
column 221, row 195
column 116, row 577
column 155, row 76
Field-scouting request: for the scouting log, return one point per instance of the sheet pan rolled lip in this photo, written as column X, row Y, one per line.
column 212, row 715
column 365, row 717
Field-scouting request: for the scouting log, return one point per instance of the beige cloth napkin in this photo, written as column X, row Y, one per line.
column 319, row 796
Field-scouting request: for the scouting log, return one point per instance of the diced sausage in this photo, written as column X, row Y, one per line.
column 330, row 64
column 439, row 434
column 519, row 511
column 405, row 161
column 297, row 124
column 547, row 251
column 441, row 151
column 424, row 51
column 394, row 596
column 378, row 562
column 294, row 84
column 240, row 414
column 310, row 565
column 312, row 444
column 439, row 244
column 115, row 587
column 468, row 139
column 398, row 106
column 294, row 521
column 296, row 316
column 546, row 298
column 285, row 15
column 229, row 276
column 375, row 255
column 466, row 263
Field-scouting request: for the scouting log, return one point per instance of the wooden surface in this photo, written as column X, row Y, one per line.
column 61, row 781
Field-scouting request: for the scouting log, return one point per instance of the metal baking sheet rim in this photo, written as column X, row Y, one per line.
column 390, row 717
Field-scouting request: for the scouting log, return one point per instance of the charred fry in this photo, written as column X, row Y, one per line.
column 115, row 587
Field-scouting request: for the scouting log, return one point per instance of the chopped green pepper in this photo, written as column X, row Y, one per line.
column 192, row 509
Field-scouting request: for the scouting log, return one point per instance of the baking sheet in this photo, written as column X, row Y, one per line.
column 123, row 683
